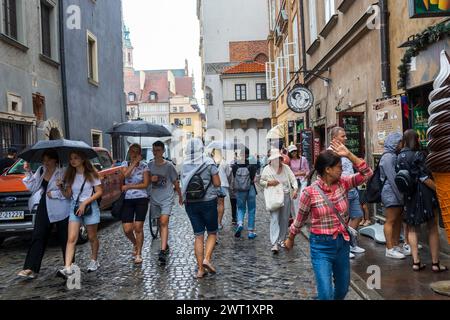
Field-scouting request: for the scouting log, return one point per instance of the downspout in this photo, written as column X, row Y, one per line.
column 63, row 68
column 385, row 49
column 302, row 31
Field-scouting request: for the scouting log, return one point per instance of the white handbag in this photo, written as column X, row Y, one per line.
column 274, row 197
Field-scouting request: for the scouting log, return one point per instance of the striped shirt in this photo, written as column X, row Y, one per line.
column 323, row 218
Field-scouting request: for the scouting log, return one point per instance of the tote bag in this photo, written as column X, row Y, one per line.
column 274, row 196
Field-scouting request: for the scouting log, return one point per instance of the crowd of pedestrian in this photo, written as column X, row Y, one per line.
column 334, row 204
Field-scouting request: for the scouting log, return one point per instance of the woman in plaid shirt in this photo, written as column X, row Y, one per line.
column 329, row 240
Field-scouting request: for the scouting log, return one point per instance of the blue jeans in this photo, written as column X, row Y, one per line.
column 330, row 261
column 246, row 200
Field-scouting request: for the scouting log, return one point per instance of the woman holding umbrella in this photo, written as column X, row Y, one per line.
column 85, row 188
column 53, row 209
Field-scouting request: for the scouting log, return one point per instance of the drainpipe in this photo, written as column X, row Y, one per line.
column 302, row 32
column 385, row 49
column 63, row 68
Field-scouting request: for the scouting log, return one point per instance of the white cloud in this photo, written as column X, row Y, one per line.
column 163, row 34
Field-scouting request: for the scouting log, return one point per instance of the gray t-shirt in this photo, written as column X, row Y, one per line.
column 162, row 192
column 206, row 175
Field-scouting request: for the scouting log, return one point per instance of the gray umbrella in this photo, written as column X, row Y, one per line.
column 139, row 128
column 62, row 147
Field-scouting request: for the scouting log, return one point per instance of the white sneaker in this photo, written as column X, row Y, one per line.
column 65, row 273
column 351, row 255
column 357, row 249
column 93, row 266
column 419, row 246
column 406, row 249
column 394, row 254
column 275, row 249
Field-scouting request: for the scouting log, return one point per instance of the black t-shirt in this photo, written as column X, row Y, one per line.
column 6, row 163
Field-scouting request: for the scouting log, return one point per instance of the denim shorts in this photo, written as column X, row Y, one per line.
column 203, row 216
column 92, row 219
column 354, row 205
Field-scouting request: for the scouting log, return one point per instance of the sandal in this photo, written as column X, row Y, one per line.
column 138, row 260
column 437, row 267
column 418, row 266
column 367, row 223
column 27, row 274
column 209, row 267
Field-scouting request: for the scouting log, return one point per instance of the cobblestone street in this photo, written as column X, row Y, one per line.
column 246, row 268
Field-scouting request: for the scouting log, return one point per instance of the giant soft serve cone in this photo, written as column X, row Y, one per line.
column 439, row 138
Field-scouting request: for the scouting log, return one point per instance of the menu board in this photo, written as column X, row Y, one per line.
column 307, row 143
column 387, row 118
column 352, row 122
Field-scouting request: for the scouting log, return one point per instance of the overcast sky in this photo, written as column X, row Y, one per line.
column 163, row 34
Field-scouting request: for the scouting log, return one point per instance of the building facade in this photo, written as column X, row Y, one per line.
column 93, row 56
column 187, row 116
column 223, row 23
column 30, row 69
column 247, row 111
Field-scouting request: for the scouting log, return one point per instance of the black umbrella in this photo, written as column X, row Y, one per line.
column 62, row 147
column 139, row 128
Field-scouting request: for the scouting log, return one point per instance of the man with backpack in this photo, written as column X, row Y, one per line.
column 355, row 210
column 244, row 174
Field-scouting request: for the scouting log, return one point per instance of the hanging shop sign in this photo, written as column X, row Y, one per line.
column 386, row 119
column 300, row 99
column 429, row 8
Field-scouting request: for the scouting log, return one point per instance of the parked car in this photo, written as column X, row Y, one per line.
column 15, row 216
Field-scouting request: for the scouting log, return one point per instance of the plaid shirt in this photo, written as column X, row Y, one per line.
column 323, row 218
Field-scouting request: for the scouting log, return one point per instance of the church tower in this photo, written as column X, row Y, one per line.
column 127, row 49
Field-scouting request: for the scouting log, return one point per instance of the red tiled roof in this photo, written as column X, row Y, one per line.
column 132, row 83
column 157, row 82
column 246, row 67
column 184, row 86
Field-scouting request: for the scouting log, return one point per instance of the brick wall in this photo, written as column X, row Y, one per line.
column 248, row 50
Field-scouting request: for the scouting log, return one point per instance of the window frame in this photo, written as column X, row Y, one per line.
column 262, row 95
column 100, row 134
column 93, row 72
column 330, row 9
column 312, row 17
column 242, row 95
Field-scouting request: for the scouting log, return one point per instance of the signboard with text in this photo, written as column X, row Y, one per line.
column 386, row 119
column 429, row 8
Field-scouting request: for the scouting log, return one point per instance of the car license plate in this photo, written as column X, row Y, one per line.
column 12, row 215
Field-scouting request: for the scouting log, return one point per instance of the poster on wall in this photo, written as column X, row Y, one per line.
column 307, row 145
column 386, row 119
column 429, row 8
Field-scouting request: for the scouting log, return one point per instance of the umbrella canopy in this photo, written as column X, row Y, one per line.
column 62, row 147
column 225, row 145
column 277, row 132
column 139, row 128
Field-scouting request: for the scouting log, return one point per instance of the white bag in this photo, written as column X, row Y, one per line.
column 274, row 197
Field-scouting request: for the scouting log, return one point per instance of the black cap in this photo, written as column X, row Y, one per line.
column 12, row 150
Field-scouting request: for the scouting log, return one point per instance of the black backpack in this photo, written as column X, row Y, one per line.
column 404, row 180
column 375, row 185
column 196, row 188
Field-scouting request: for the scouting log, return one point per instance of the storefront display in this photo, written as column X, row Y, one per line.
column 418, row 99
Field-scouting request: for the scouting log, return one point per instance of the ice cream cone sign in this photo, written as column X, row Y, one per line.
column 443, row 5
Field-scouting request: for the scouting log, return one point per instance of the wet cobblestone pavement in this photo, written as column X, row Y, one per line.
column 246, row 268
